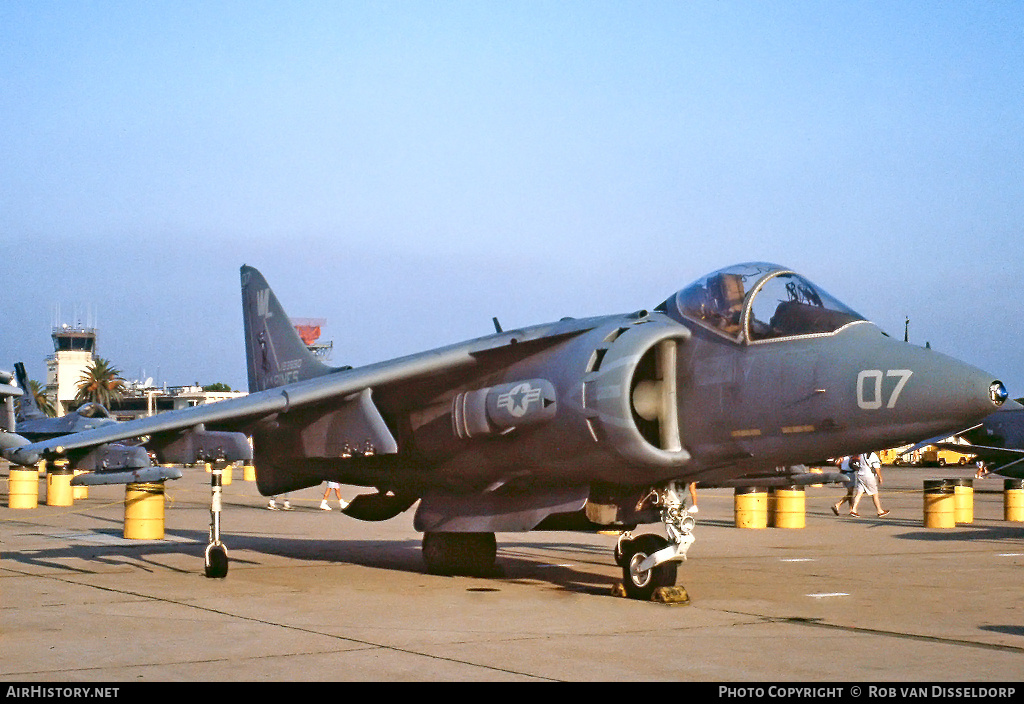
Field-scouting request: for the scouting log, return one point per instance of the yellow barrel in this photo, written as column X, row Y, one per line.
column 1013, row 500
column 788, row 507
column 963, row 499
column 58, row 487
column 751, row 507
column 144, row 511
column 23, row 488
column 939, row 504
column 249, row 473
column 80, row 492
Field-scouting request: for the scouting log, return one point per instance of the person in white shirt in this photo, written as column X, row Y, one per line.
column 871, row 467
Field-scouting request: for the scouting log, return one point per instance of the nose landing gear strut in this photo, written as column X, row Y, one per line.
column 649, row 562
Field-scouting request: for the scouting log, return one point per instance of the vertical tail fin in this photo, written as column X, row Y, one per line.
column 26, row 407
column 274, row 351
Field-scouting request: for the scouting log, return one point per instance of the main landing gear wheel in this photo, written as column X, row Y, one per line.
column 642, row 584
column 470, row 554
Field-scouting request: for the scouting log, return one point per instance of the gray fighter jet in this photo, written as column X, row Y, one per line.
column 33, row 424
column 580, row 424
column 27, row 423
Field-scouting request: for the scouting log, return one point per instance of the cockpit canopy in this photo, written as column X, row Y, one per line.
column 92, row 410
column 758, row 301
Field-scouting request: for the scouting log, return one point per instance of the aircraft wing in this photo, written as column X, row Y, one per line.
column 344, row 384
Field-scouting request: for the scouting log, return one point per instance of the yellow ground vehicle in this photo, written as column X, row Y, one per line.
column 894, row 456
column 932, row 456
column 927, row 456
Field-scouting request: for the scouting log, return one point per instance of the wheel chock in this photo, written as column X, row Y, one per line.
column 663, row 595
column 671, row 595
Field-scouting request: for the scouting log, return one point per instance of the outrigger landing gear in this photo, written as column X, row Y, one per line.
column 649, row 561
column 216, row 553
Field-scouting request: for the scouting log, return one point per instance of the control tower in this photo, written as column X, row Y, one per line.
column 73, row 352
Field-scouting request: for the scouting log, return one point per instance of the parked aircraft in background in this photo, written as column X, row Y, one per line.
column 998, row 441
column 580, row 424
column 29, row 424
column 33, row 424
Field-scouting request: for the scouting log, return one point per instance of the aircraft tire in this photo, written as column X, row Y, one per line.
column 641, row 585
column 469, row 554
column 216, row 562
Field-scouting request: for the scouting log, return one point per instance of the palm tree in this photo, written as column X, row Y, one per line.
column 42, row 400
column 101, row 383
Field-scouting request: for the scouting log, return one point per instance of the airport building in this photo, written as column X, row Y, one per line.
column 74, row 349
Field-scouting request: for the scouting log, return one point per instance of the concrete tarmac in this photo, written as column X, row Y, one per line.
column 314, row 595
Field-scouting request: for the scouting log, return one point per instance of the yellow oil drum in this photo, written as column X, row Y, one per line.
column 58, row 487
column 751, row 507
column 23, row 488
column 249, row 473
column 939, row 504
column 144, row 511
column 1013, row 500
column 963, row 499
column 80, row 492
column 788, row 507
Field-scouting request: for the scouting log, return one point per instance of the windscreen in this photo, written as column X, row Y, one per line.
column 788, row 305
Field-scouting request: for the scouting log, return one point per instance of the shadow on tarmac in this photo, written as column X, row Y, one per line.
column 518, row 562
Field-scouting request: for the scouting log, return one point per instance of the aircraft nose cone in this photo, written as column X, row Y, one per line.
column 979, row 392
column 941, row 393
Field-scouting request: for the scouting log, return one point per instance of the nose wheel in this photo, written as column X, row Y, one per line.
column 650, row 562
column 641, row 583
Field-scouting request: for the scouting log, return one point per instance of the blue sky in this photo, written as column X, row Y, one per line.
column 407, row 170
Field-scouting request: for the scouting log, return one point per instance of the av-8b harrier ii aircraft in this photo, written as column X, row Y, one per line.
column 580, row 424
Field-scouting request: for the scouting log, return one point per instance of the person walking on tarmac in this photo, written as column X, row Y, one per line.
column 871, row 467
column 337, row 491
column 848, row 467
